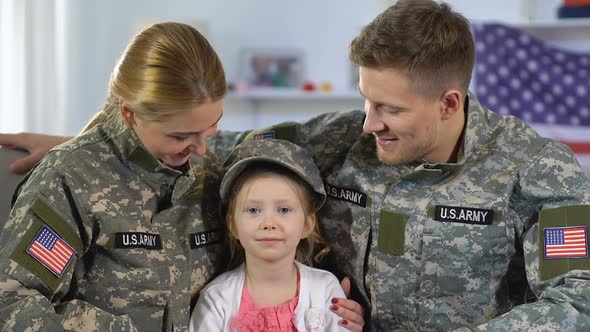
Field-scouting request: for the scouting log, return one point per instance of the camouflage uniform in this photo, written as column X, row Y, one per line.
column 451, row 245
column 145, row 236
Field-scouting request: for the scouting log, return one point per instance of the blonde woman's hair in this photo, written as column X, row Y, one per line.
column 167, row 68
column 310, row 249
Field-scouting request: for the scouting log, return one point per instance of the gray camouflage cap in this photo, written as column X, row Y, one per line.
column 273, row 151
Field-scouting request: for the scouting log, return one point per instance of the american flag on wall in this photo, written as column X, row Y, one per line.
column 547, row 87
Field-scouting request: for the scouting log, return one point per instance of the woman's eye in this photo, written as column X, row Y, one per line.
column 179, row 138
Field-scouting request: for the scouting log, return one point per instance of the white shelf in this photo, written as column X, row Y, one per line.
column 293, row 94
column 582, row 23
column 561, row 30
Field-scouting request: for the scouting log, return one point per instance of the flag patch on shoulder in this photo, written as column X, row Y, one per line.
column 266, row 135
column 51, row 251
column 566, row 242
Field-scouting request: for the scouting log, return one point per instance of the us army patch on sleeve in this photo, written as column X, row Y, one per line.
column 345, row 194
column 201, row 239
column 464, row 215
column 130, row 240
column 565, row 242
column 51, row 251
column 265, row 135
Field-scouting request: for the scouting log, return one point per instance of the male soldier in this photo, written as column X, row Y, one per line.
column 440, row 208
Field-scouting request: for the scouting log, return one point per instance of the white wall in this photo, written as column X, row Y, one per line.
column 98, row 30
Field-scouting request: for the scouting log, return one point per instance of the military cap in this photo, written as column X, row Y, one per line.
column 272, row 151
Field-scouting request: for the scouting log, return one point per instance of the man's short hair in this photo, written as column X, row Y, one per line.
column 426, row 41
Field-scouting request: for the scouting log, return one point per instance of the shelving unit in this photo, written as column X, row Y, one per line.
column 570, row 33
column 259, row 95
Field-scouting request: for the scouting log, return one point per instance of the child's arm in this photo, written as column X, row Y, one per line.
column 207, row 315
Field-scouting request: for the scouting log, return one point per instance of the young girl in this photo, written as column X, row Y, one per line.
column 271, row 191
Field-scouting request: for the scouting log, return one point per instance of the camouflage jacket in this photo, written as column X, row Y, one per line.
column 452, row 245
column 127, row 242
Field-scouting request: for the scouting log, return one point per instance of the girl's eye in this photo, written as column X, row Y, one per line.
column 253, row 210
column 284, row 210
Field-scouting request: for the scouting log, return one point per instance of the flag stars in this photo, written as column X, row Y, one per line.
column 532, row 65
column 503, row 110
column 527, row 116
column 520, row 75
column 527, row 95
column 515, row 83
column 557, row 70
column 510, row 43
column 570, row 101
column 525, row 39
column 482, row 90
column 559, row 56
column 557, row 89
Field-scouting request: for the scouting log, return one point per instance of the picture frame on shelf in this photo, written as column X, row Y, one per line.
column 271, row 68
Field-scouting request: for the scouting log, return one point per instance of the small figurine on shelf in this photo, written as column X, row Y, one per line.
column 308, row 86
column 326, row 87
column 574, row 9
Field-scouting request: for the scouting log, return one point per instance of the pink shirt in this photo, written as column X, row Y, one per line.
column 252, row 318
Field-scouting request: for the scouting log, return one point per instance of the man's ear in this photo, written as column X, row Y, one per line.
column 451, row 102
column 126, row 113
column 309, row 225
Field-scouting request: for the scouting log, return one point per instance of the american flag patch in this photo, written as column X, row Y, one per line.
column 267, row 135
column 51, row 251
column 566, row 242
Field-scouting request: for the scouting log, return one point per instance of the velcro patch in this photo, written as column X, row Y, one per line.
column 345, row 194
column 51, row 251
column 265, row 135
column 464, row 215
column 130, row 240
column 565, row 242
column 201, row 239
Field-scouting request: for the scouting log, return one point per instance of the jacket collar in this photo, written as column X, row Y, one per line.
column 133, row 154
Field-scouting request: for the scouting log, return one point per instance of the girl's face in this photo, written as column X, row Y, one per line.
column 269, row 218
column 172, row 141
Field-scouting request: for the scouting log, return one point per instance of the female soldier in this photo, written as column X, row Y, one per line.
column 107, row 233
column 113, row 230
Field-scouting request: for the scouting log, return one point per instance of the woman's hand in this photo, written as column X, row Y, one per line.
column 37, row 145
column 350, row 311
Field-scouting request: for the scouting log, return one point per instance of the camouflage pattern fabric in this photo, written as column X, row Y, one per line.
column 452, row 245
column 147, row 238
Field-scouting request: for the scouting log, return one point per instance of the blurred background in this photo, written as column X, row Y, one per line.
column 56, row 57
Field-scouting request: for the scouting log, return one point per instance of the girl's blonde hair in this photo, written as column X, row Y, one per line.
column 167, row 68
column 308, row 246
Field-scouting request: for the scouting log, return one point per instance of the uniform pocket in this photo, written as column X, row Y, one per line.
column 392, row 228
